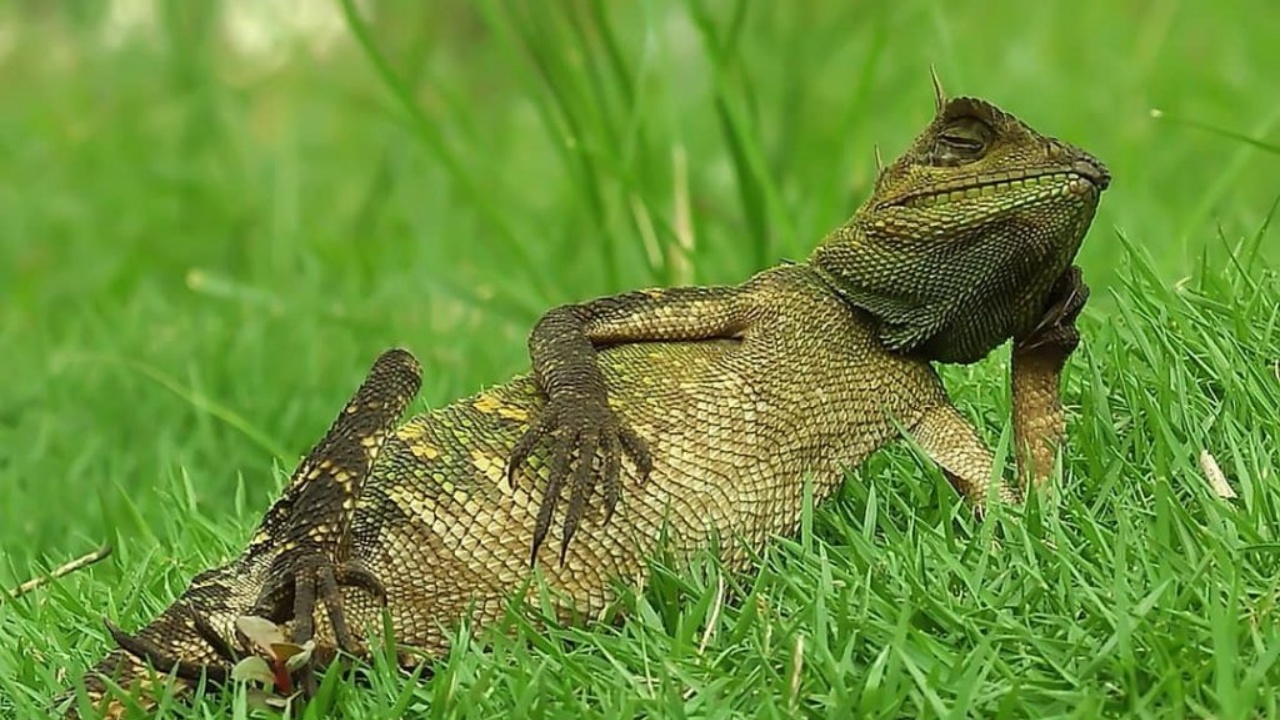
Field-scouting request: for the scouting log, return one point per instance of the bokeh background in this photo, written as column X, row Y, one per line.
column 213, row 215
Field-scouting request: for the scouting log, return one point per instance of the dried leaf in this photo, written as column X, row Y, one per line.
column 1217, row 479
column 264, row 701
column 254, row 669
column 261, row 632
column 294, row 656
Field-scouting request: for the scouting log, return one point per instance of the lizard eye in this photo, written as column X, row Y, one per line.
column 961, row 141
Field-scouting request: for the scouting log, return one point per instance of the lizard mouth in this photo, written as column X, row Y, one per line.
column 1093, row 171
column 1080, row 179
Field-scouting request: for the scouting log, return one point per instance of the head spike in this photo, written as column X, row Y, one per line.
column 879, row 160
column 939, row 95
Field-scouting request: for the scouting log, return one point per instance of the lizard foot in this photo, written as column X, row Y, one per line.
column 581, row 429
column 305, row 577
column 1056, row 330
column 161, row 659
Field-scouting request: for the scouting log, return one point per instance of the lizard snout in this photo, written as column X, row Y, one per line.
column 1092, row 170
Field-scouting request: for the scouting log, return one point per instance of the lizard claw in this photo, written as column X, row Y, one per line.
column 583, row 434
column 307, row 576
column 1057, row 327
column 161, row 659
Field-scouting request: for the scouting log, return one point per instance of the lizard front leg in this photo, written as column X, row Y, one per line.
column 951, row 441
column 1039, row 422
column 577, row 423
column 1038, row 418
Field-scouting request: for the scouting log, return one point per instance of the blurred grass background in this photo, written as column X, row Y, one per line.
column 214, row 214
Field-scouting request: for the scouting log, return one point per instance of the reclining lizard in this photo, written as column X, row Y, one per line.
column 669, row 418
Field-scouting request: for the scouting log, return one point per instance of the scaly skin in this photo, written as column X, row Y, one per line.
column 673, row 417
column 956, row 251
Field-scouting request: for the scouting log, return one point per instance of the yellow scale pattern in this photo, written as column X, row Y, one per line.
column 732, row 446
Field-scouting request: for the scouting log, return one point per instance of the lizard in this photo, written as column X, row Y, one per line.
column 682, row 420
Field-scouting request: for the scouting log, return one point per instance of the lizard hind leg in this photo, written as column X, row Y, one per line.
column 306, row 530
column 183, row 641
column 162, row 658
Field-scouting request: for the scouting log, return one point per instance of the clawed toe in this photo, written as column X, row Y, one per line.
column 166, row 660
column 587, row 443
column 1056, row 328
column 309, row 578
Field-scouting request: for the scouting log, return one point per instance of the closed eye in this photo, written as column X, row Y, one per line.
column 961, row 143
column 963, row 140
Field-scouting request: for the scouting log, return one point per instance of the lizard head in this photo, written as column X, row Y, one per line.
column 964, row 235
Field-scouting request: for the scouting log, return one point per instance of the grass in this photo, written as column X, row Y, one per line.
column 201, row 250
